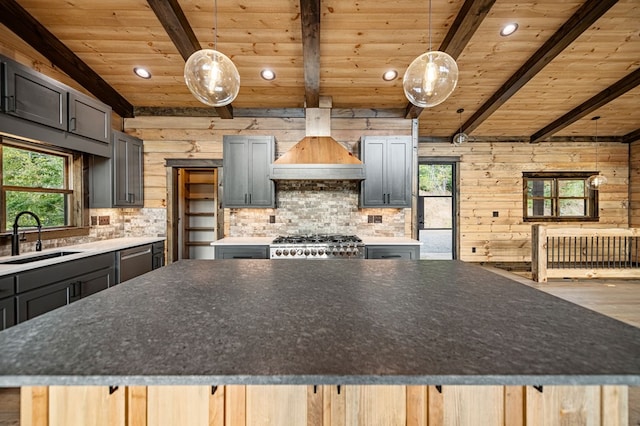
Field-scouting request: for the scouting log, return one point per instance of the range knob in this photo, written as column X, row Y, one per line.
column 306, row 252
column 285, row 252
column 320, row 251
column 299, row 252
column 278, row 252
column 314, row 252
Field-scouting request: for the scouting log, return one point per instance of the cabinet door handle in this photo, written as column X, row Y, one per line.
column 242, row 257
column 245, row 198
column 11, row 104
column 72, row 124
column 249, row 198
column 390, row 256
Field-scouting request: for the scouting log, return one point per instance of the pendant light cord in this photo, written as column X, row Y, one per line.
column 597, row 146
column 429, row 25
column 215, row 23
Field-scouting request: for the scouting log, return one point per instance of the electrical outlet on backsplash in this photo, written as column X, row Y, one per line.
column 306, row 207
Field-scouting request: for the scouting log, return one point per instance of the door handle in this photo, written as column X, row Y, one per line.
column 72, row 124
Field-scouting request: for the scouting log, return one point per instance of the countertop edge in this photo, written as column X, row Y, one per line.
column 84, row 250
column 205, row 380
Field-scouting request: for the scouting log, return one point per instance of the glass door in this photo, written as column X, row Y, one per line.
column 437, row 210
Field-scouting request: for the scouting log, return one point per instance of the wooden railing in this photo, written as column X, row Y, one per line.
column 584, row 252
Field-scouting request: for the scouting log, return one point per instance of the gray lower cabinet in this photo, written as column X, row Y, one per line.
column 41, row 290
column 7, row 302
column 409, row 252
column 42, row 300
column 7, row 312
column 245, row 162
column 30, row 95
column 388, row 170
column 241, row 252
column 118, row 181
column 89, row 118
column 158, row 255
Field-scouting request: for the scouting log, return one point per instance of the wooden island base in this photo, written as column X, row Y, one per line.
column 327, row 405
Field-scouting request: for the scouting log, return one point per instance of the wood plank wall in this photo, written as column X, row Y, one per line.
column 491, row 181
column 490, row 173
column 634, row 184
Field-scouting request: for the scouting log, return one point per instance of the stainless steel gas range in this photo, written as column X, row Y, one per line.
column 317, row 246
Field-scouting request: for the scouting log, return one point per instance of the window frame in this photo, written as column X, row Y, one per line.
column 77, row 203
column 591, row 196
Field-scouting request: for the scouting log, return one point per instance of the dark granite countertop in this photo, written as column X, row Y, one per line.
column 320, row 322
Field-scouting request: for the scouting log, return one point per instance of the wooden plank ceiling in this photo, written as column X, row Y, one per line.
column 569, row 60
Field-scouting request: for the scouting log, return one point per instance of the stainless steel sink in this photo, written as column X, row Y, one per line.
column 45, row 256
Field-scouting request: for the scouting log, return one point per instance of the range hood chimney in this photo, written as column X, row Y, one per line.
column 318, row 156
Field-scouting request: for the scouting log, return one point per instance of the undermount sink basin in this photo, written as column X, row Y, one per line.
column 30, row 259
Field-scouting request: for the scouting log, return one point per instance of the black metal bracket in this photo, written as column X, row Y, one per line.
column 112, row 389
column 439, row 388
column 538, row 388
column 338, row 389
column 213, row 390
column 315, row 388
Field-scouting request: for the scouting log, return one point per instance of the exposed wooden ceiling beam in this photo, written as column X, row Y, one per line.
column 464, row 26
column 25, row 26
column 175, row 23
column 632, row 136
column 607, row 95
column 588, row 13
column 310, row 12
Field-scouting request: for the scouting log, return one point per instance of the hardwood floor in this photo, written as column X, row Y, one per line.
column 618, row 299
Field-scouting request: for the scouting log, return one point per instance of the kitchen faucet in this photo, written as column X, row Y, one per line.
column 15, row 239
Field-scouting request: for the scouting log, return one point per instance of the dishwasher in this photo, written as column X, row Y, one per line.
column 133, row 262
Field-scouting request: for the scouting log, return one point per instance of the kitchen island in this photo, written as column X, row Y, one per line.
column 426, row 333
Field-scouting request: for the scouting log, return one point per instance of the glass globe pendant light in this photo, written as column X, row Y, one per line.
column 431, row 77
column 460, row 137
column 596, row 181
column 211, row 76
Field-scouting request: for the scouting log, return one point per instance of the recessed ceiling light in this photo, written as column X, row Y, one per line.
column 508, row 29
column 142, row 72
column 390, row 75
column 268, row 74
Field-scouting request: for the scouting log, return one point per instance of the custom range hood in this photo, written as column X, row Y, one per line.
column 317, row 156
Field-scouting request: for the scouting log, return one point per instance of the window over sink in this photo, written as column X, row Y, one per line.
column 40, row 180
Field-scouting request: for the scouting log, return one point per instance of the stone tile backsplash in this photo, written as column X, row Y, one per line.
column 306, row 207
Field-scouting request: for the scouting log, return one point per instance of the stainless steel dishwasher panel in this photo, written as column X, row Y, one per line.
column 134, row 261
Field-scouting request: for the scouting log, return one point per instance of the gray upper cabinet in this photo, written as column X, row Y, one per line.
column 30, row 95
column 128, row 170
column 245, row 162
column 89, row 118
column 388, row 170
column 118, row 181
